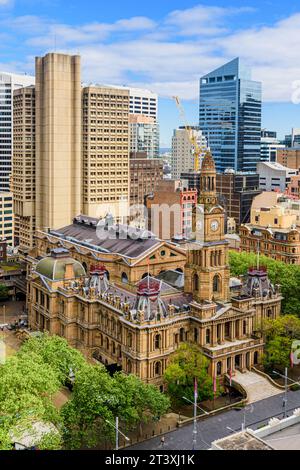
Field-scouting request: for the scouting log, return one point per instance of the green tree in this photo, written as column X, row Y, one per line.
column 285, row 325
column 277, row 353
column 186, row 364
column 4, row 290
column 97, row 398
column 288, row 275
column 27, row 386
column 55, row 351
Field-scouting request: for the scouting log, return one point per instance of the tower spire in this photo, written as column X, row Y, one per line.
column 207, row 193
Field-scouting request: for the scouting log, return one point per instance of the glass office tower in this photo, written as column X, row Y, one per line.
column 230, row 116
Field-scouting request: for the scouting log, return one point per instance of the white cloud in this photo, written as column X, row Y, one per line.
column 169, row 56
column 6, row 3
column 273, row 53
column 202, row 20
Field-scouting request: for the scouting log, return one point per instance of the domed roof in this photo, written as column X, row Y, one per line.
column 208, row 163
column 54, row 266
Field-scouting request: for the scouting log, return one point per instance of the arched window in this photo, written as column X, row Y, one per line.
column 85, row 266
column 181, row 334
column 129, row 366
column 129, row 340
column 124, row 278
column 113, row 347
column 219, row 368
column 207, row 336
column 196, row 335
column 179, row 270
column 107, row 275
column 157, row 342
column 269, row 313
column 107, row 344
column 196, row 282
column 244, row 327
column 216, row 283
column 101, row 339
column 157, row 368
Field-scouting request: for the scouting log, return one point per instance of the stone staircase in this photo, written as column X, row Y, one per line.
column 256, row 386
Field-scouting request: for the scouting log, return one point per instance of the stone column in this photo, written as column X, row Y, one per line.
column 222, row 333
column 232, row 330
column 214, row 335
column 243, row 362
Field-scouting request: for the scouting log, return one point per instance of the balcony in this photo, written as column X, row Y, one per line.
column 232, row 346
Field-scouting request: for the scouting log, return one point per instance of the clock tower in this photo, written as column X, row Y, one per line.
column 207, row 272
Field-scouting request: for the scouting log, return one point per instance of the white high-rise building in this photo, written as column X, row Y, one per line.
column 8, row 83
column 144, row 135
column 269, row 146
column 143, row 102
column 182, row 157
column 144, row 132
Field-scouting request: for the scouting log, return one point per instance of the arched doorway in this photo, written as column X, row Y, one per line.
column 237, row 361
column 196, row 282
column 255, row 358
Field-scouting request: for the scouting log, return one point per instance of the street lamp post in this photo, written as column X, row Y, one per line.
column 195, row 417
column 285, row 392
column 116, row 427
column 286, row 378
column 117, row 432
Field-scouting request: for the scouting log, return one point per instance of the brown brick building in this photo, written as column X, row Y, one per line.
column 145, row 176
column 170, row 210
column 289, row 157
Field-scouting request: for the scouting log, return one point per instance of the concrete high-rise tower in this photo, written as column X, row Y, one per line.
column 58, row 140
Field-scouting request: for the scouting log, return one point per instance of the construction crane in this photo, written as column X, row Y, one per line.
column 191, row 135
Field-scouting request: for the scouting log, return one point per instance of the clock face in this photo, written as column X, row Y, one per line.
column 214, row 225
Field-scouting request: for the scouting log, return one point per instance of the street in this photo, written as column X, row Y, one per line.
column 215, row 427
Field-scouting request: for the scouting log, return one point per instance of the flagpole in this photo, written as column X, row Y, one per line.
column 195, row 414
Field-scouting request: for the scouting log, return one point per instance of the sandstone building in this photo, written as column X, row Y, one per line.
column 274, row 228
column 136, row 326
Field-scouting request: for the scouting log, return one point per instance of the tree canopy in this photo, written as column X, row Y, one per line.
column 4, row 290
column 97, row 398
column 186, row 364
column 288, row 275
column 279, row 335
column 30, row 378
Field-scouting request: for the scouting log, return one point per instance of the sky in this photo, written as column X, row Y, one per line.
column 165, row 46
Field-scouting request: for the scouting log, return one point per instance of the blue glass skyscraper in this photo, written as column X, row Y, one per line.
column 230, row 116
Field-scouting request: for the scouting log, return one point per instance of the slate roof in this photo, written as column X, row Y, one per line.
column 85, row 231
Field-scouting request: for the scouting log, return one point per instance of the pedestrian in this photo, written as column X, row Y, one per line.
column 162, row 441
